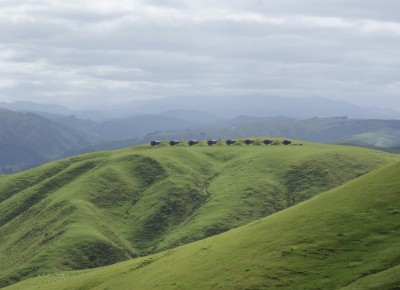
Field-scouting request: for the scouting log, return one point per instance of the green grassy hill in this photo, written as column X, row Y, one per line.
column 101, row 208
column 346, row 238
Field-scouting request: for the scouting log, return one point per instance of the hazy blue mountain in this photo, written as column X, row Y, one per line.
column 55, row 111
column 258, row 106
column 242, row 120
column 134, row 126
column 118, row 129
column 27, row 106
column 27, row 139
column 196, row 116
column 75, row 123
column 201, row 109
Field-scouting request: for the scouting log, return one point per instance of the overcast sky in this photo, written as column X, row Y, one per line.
column 85, row 52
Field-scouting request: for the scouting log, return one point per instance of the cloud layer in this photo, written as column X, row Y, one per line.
column 83, row 53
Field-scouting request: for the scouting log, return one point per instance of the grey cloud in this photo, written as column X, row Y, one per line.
column 369, row 9
column 80, row 52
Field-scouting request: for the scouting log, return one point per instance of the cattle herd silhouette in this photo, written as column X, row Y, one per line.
column 227, row 142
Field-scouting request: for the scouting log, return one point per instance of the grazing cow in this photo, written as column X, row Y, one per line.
column 286, row 142
column 174, row 142
column 230, row 142
column 155, row 143
column 248, row 141
column 211, row 142
column 193, row 142
column 267, row 142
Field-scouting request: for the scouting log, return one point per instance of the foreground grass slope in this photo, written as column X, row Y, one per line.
column 101, row 208
column 346, row 238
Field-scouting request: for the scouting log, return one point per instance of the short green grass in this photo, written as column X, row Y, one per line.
column 101, row 208
column 347, row 238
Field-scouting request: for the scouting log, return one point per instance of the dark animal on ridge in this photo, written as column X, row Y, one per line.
column 248, row 141
column 155, row 143
column 267, row 141
column 174, row 142
column 193, row 142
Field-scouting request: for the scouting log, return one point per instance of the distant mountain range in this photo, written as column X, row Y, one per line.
column 261, row 106
column 221, row 107
column 28, row 139
column 27, row 106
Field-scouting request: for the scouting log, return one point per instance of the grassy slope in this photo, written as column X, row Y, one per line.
column 347, row 237
column 105, row 207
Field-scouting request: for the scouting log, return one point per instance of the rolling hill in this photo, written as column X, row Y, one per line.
column 101, row 208
column 347, row 238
